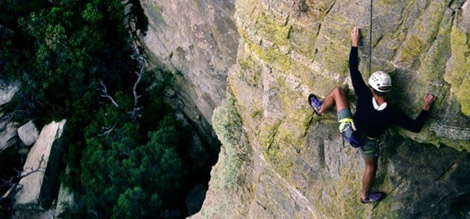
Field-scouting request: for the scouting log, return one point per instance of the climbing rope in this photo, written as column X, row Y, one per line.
column 370, row 37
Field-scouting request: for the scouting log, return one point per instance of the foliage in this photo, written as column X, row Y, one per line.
column 64, row 52
column 123, row 175
column 60, row 53
column 129, row 170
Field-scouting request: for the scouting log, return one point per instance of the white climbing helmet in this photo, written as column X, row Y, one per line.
column 380, row 81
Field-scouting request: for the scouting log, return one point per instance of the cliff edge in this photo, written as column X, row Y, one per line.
column 278, row 160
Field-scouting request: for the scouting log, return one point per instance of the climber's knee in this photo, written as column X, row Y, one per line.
column 339, row 92
column 340, row 98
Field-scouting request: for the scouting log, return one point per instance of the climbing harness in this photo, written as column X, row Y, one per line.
column 355, row 138
column 344, row 122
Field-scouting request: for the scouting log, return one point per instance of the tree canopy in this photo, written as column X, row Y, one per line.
column 127, row 153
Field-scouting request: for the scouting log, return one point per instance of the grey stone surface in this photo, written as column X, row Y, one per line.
column 279, row 161
column 28, row 133
column 198, row 41
column 35, row 184
column 49, row 214
column 66, row 202
column 8, row 134
column 463, row 17
column 7, row 91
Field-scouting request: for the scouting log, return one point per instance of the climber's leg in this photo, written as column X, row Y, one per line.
column 368, row 179
column 369, row 175
column 335, row 97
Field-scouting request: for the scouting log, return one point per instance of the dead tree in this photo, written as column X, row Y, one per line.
column 135, row 112
column 131, row 18
column 106, row 130
column 15, row 187
column 104, row 93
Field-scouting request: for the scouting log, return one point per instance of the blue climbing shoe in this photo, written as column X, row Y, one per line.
column 314, row 103
column 373, row 197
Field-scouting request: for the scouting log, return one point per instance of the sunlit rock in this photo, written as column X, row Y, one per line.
column 279, row 160
column 28, row 133
column 39, row 177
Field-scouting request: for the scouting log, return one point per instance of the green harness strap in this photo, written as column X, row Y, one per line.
column 345, row 121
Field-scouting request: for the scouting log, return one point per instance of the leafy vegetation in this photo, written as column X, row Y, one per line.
column 127, row 153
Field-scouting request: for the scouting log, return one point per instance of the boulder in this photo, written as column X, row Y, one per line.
column 7, row 91
column 28, row 133
column 40, row 172
column 8, row 134
column 8, row 129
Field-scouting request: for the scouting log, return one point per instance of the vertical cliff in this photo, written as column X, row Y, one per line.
column 198, row 41
column 279, row 161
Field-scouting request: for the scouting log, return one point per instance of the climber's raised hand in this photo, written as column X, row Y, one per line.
column 428, row 100
column 355, row 37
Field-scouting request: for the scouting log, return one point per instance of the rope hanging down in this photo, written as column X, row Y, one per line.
column 370, row 37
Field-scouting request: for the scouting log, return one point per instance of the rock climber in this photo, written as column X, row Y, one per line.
column 373, row 116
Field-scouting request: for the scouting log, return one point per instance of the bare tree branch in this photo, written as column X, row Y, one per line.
column 33, row 170
column 107, row 130
column 13, row 182
column 140, row 56
column 105, row 94
column 139, row 74
column 134, row 113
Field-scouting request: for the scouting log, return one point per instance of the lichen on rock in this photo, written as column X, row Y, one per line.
column 289, row 158
column 458, row 68
column 278, row 159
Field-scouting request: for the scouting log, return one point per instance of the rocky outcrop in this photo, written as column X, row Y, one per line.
column 7, row 91
column 8, row 133
column 66, row 203
column 8, row 128
column 279, row 161
column 198, row 41
column 28, row 133
column 39, row 179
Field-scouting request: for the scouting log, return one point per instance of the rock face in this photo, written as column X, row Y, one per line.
column 7, row 91
column 279, row 161
column 66, row 202
column 199, row 41
column 38, row 186
column 8, row 135
column 28, row 133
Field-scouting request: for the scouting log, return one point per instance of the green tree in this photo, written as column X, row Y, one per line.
column 65, row 53
column 116, row 165
column 130, row 203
